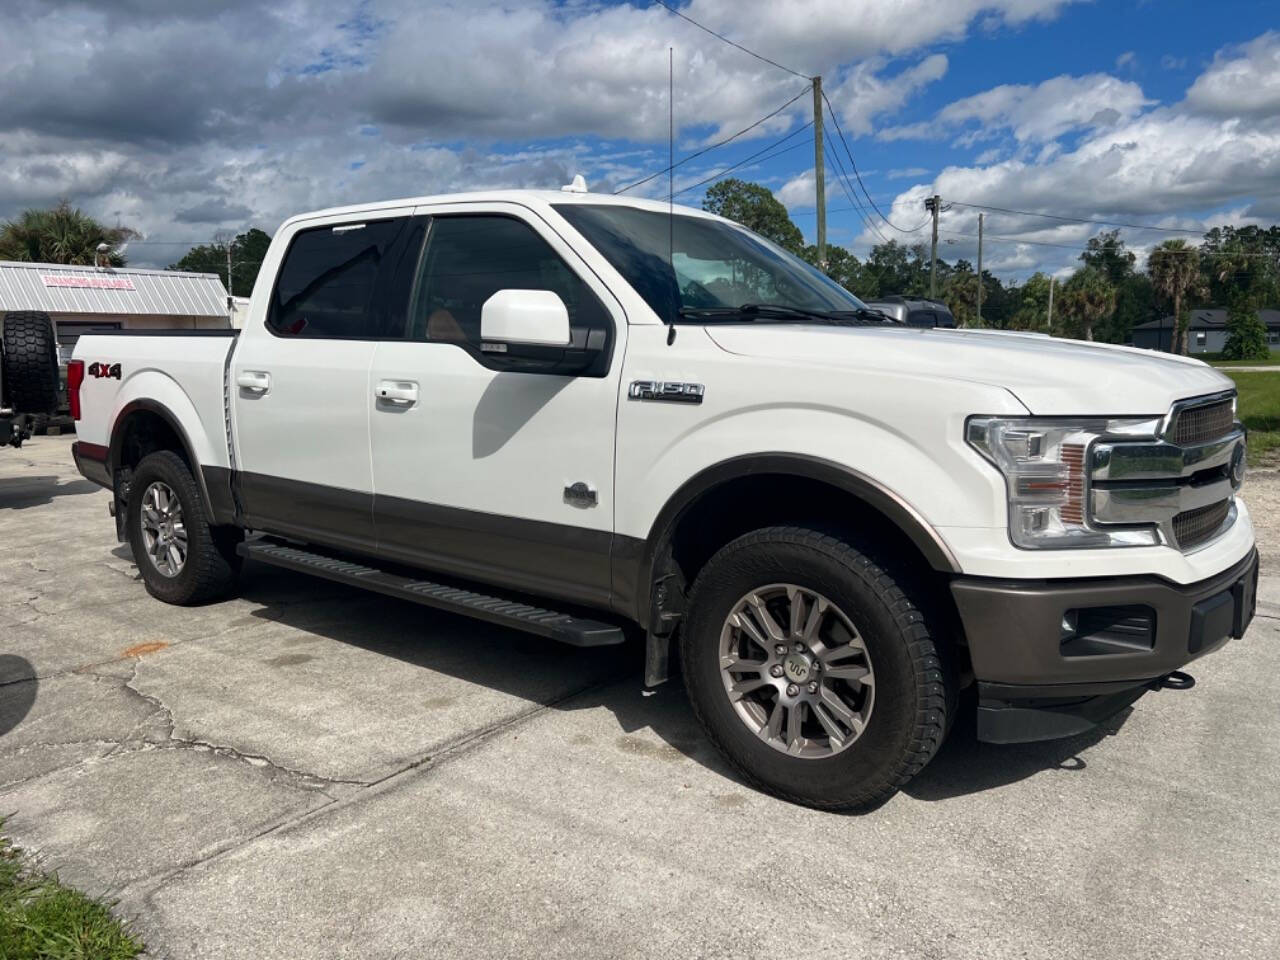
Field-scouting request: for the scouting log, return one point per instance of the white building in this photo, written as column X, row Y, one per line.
column 80, row 299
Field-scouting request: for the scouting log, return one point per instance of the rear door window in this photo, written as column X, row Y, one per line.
column 332, row 284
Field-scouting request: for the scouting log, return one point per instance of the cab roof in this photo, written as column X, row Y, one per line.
column 522, row 197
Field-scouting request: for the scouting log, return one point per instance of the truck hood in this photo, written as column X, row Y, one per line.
column 1049, row 376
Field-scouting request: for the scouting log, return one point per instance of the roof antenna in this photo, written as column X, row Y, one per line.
column 579, row 185
column 671, row 183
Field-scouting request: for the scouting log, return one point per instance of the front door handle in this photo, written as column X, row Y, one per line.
column 259, row 381
column 400, row 393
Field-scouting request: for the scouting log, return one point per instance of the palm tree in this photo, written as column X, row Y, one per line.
column 64, row 234
column 1088, row 297
column 1175, row 271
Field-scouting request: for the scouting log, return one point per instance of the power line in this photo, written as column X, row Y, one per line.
column 1054, row 216
column 738, row 46
column 708, row 149
column 757, row 154
column 836, row 120
column 842, row 178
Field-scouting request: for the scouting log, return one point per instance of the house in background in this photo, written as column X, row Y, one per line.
column 1206, row 334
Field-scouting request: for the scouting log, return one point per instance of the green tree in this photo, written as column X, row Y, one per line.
column 1134, row 298
column 1241, row 259
column 960, row 293
column 1088, row 298
column 64, row 234
column 756, row 208
column 1175, row 274
column 248, row 250
column 899, row 270
column 844, row 268
column 1032, row 309
column 1246, row 333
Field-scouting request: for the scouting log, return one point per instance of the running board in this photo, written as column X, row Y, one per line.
column 569, row 629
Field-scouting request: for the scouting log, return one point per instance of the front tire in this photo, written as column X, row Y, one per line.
column 183, row 559
column 813, row 670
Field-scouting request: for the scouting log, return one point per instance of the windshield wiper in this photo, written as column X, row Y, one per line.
column 777, row 311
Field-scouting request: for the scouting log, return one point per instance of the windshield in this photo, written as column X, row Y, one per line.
column 696, row 263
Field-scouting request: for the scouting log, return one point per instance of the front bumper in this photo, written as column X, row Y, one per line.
column 1039, row 679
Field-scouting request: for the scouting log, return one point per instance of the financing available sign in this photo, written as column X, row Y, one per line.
column 89, row 281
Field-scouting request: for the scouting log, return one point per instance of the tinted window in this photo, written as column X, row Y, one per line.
column 470, row 258
column 922, row 318
column 329, row 283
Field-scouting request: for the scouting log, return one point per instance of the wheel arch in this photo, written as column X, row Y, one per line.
column 652, row 576
column 162, row 430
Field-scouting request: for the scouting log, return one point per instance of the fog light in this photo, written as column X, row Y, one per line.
column 1069, row 625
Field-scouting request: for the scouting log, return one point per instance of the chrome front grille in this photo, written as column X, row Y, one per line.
column 1200, row 424
column 1194, row 527
column 1182, row 482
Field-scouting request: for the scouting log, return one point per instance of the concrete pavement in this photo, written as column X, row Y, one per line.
column 309, row 771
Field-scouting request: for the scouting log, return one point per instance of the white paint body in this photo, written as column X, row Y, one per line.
column 888, row 402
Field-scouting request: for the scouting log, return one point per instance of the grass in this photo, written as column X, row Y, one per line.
column 40, row 919
column 1272, row 361
column 1259, row 408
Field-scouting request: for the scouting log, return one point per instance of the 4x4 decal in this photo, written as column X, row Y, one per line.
column 101, row 370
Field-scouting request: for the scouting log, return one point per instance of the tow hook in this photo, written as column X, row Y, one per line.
column 1177, row 680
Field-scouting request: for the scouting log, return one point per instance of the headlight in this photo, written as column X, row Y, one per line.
column 1044, row 465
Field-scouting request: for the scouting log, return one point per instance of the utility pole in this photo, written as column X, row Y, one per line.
column 1049, row 328
column 980, row 216
column 933, row 204
column 819, row 174
column 230, row 292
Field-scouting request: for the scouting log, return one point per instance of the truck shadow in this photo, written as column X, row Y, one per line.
column 519, row 664
column 18, row 493
column 965, row 765
column 17, row 690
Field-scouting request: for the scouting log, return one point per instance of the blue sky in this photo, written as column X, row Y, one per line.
column 189, row 119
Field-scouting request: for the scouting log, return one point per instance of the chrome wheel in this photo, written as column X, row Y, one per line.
column 796, row 671
column 164, row 534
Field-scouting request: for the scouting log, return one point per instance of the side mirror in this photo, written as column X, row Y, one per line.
column 536, row 318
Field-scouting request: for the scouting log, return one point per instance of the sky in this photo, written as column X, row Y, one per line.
column 192, row 119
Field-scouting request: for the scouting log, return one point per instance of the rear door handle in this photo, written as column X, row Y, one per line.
column 400, row 393
column 259, row 381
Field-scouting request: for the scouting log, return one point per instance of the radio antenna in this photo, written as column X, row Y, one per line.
column 671, row 182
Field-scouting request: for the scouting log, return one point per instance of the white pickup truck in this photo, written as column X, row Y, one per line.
column 569, row 414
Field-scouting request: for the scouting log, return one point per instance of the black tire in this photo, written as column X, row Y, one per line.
column 40, row 425
column 30, row 362
column 913, row 688
column 211, row 565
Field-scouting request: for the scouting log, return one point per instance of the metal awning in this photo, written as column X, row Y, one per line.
column 55, row 288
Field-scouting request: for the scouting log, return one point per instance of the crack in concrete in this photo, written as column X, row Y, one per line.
column 173, row 741
column 154, row 884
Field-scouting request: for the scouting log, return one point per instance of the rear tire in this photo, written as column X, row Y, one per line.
column 183, row 559
column 850, row 751
column 30, row 362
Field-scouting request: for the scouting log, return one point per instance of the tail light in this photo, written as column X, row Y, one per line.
column 75, row 377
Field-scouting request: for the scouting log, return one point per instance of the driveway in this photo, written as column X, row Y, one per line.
column 309, row 771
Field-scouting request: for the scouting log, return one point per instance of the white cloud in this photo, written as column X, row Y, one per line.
column 1048, row 110
column 866, row 92
column 304, row 103
column 1127, row 61
column 1244, row 81
column 800, row 192
column 903, row 173
column 1210, row 159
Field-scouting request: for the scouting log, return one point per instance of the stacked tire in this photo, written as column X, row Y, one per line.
column 29, row 359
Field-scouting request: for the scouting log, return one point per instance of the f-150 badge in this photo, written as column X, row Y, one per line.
column 669, row 390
